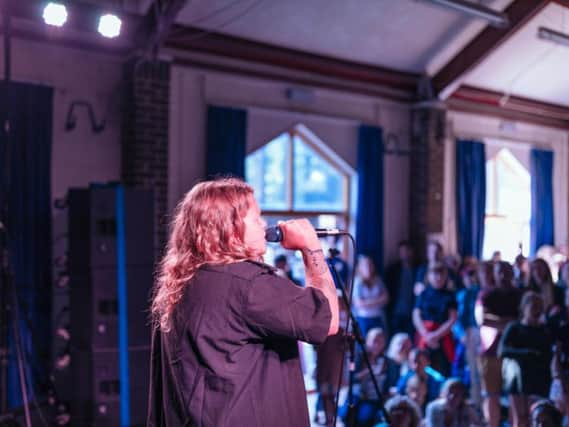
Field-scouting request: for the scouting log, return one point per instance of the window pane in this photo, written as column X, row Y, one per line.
column 317, row 185
column 507, row 222
column 266, row 171
column 514, row 193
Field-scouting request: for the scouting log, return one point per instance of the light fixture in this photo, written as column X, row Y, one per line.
column 553, row 36
column 110, row 26
column 496, row 19
column 55, row 14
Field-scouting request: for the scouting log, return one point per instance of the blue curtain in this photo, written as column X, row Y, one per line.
column 369, row 218
column 541, row 228
column 470, row 196
column 226, row 140
column 25, row 159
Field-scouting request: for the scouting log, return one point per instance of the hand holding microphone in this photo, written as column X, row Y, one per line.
column 277, row 233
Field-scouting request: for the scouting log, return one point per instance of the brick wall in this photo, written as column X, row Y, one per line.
column 427, row 174
column 145, row 136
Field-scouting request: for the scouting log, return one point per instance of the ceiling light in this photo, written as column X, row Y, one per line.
column 110, row 26
column 496, row 19
column 55, row 14
column 553, row 36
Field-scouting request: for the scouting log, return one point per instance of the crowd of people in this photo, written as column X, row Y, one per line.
column 453, row 344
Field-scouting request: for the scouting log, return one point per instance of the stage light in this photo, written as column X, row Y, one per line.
column 109, row 26
column 55, row 14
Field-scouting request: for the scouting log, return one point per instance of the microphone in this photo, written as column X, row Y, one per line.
column 275, row 234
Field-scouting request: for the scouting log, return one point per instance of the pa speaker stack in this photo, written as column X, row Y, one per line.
column 111, row 262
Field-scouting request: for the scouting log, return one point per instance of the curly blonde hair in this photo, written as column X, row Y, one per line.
column 208, row 228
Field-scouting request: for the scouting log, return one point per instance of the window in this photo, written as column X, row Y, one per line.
column 297, row 175
column 508, row 206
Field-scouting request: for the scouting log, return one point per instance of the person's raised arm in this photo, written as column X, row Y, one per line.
column 299, row 234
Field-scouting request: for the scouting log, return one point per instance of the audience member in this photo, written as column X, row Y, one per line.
column 403, row 412
column 399, row 348
column 419, row 364
column 521, row 271
column 540, row 281
column 563, row 281
column 434, row 316
column 559, row 392
column 370, row 296
column 416, row 390
column 284, row 270
column 451, row 409
column 400, row 280
column 496, row 307
column 466, row 329
column 341, row 267
column 486, row 275
column 525, row 349
column 384, row 370
column 435, row 256
column 545, row 414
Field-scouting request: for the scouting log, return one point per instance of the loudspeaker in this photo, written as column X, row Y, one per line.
column 95, row 307
column 97, row 396
column 95, row 272
column 93, row 227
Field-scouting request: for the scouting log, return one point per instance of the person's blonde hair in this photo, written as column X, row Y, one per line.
column 372, row 334
column 395, row 345
column 208, row 228
column 406, row 403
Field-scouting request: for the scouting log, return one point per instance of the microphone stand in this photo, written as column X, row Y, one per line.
column 352, row 338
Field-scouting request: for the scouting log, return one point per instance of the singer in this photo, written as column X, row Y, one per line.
column 225, row 325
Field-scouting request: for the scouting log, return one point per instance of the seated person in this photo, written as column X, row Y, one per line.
column 451, row 408
column 416, row 390
column 284, row 270
column 403, row 412
column 386, row 373
column 543, row 413
column 419, row 364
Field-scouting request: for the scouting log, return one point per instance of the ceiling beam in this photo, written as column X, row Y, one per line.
column 476, row 100
column 564, row 3
column 157, row 23
column 450, row 76
column 196, row 40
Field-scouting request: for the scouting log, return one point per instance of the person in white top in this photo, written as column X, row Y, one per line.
column 370, row 296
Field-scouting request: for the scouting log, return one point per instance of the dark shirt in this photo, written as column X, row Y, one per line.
column 405, row 293
column 231, row 356
column 559, row 326
column 435, row 304
column 501, row 303
column 530, row 347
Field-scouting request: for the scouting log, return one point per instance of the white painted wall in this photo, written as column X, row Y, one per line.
column 80, row 156
column 333, row 116
column 516, row 135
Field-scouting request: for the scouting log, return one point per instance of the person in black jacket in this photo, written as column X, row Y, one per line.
column 224, row 344
column 400, row 280
column 526, row 352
